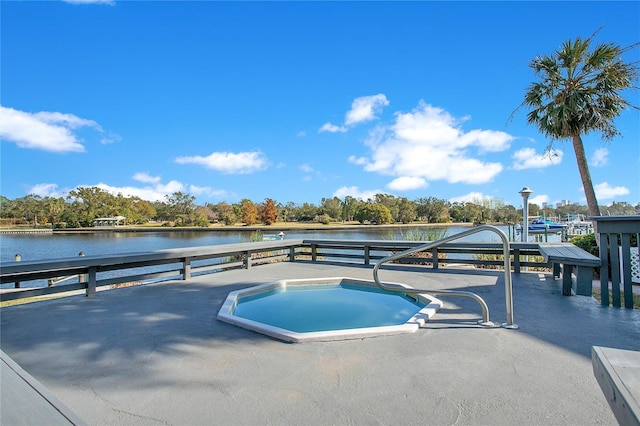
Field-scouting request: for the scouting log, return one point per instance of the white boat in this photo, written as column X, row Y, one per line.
column 577, row 225
column 540, row 225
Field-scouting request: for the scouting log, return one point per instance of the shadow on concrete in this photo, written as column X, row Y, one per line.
column 137, row 324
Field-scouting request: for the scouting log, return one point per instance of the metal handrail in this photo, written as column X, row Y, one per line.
column 506, row 249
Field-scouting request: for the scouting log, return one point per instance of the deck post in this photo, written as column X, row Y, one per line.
column 17, row 258
column 186, row 267
column 434, row 256
column 91, row 281
column 516, row 260
column 584, row 280
column 247, row 259
column 567, row 282
column 556, row 269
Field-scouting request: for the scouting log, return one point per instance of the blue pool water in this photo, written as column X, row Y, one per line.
column 320, row 307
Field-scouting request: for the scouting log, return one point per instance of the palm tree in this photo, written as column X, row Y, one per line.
column 579, row 91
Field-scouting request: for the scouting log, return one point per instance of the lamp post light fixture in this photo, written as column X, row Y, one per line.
column 525, row 192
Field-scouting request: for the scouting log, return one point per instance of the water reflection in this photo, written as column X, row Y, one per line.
column 56, row 246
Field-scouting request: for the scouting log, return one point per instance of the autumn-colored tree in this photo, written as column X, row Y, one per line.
column 249, row 212
column 268, row 212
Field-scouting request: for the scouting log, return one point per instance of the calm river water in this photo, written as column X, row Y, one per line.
column 32, row 247
column 56, row 246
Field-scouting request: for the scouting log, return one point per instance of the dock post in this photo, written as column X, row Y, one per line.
column 17, row 258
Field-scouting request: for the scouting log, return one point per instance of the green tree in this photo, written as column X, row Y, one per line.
column 181, row 207
column 307, row 212
column 620, row 208
column 285, row 212
column 331, row 207
column 507, row 214
column 202, row 216
column 348, row 206
column 70, row 218
column 579, row 91
column 456, row 210
column 226, row 213
column 433, row 210
column 5, row 205
column 90, row 203
column 373, row 212
column 406, row 211
column 390, row 202
column 142, row 210
column 53, row 207
column 564, row 210
column 473, row 212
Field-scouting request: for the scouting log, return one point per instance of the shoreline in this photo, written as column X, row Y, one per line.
column 268, row 229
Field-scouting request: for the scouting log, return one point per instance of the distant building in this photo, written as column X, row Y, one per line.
column 109, row 221
column 563, row 203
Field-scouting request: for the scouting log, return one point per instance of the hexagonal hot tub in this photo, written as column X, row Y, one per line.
column 326, row 309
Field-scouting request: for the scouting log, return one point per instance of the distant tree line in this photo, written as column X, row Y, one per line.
column 82, row 205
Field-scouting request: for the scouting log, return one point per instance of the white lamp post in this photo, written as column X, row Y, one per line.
column 525, row 192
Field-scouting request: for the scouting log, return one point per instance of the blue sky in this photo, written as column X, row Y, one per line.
column 297, row 101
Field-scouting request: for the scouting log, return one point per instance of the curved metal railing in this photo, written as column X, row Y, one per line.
column 485, row 309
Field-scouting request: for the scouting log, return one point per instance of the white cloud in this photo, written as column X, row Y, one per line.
column 146, row 178
column 331, row 128
column 407, row 183
column 604, row 191
column 360, row 161
column 471, row 197
column 539, row 200
column 47, row 131
column 527, row 158
column 108, row 2
column 487, row 140
column 427, row 143
column 365, row 108
column 47, row 190
column 229, row 162
column 207, row 191
column 109, row 138
column 156, row 191
column 306, row 168
column 600, row 157
column 355, row 192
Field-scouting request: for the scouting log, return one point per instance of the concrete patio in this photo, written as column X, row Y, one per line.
column 155, row 354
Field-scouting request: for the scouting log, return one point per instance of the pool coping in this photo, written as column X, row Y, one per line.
column 414, row 323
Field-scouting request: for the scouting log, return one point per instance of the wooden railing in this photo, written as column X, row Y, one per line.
column 467, row 253
column 617, row 263
column 101, row 271
column 139, row 267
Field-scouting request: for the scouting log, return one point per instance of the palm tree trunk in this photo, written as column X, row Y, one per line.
column 587, row 184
